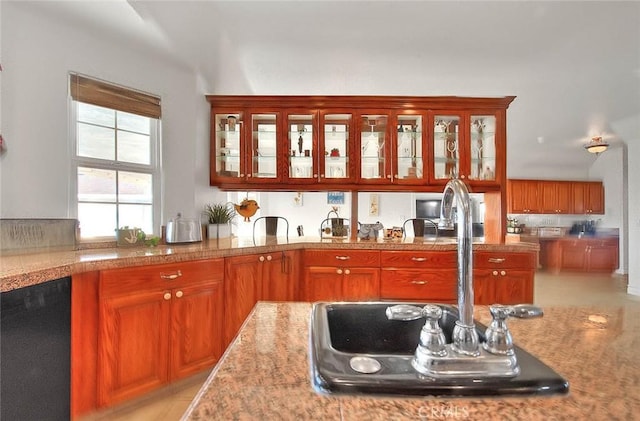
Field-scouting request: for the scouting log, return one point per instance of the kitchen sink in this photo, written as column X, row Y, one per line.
column 355, row 348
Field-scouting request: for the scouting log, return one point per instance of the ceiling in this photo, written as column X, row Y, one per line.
column 574, row 66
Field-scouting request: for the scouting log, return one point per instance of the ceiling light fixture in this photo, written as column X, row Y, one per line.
column 597, row 145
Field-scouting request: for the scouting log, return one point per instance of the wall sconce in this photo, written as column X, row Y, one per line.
column 597, row 145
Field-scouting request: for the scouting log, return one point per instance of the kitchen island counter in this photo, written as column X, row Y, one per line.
column 265, row 373
column 21, row 269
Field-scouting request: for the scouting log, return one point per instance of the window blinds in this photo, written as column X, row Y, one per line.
column 103, row 94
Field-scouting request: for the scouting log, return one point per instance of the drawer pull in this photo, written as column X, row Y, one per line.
column 343, row 257
column 179, row 294
column 495, row 273
column 339, row 271
column 417, row 282
column 502, row 272
column 347, row 271
column 419, row 259
column 170, row 276
column 497, row 259
column 261, row 258
column 167, row 296
column 269, row 258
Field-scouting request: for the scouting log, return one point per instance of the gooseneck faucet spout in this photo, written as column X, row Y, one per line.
column 465, row 337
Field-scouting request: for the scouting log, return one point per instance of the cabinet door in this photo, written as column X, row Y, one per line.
column 556, row 197
column 522, row 196
column 374, row 145
column 133, row 344
column 602, row 258
column 409, row 149
column 447, row 132
column 361, row 284
column 302, row 132
column 241, row 291
column 278, row 280
column 336, row 148
column 502, row 286
column 323, row 283
column 227, row 150
column 574, row 255
column 196, row 327
column 264, row 148
column 481, row 154
column 595, row 198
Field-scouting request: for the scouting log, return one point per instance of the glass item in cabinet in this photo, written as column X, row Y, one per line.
column 264, row 146
column 336, row 145
column 301, row 150
column 227, row 146
column 409, row 148
column 373, row 133
column 446, row 146
column 483, row 147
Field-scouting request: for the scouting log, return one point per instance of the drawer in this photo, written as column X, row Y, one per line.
column 342, row 258
column 493, row 260
column 164, row 276
column 416, row 284
column 419, row 259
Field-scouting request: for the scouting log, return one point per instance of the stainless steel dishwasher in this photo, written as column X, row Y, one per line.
column 35, row 343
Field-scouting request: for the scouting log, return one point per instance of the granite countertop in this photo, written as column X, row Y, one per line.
column 264, row 374
column 25, row 268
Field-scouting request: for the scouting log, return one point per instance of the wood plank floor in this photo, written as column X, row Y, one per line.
column 171, row 402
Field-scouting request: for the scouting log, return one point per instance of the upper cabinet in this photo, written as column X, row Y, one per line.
column 555, row 197
column 357, row 143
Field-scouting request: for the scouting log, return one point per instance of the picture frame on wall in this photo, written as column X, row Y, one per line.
column 335, row 198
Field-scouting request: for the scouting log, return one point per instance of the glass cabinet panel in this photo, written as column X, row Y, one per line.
column 483, row 147
column 336, row 146
column 446, row 146
column 227, row 147
column 373, row 135
column 301, row 146
column 409, row 150
column 264, row 146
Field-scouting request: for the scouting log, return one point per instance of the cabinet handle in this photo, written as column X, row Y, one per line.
column 497, row 259
column 347, row 271
column 343, row 257
column 170, row 276
column 315, row 175
column 502, row 272
column 167, row 296
column 241, row 175
column 419, row 282
column 419, row 259
column 389, row 176
column 261, row 258
column 339, row 271
column 462, row 176
column 495, row 273
column 269, row 258
column 179, row 294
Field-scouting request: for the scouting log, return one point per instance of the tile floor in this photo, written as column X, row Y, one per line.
column 171, row 402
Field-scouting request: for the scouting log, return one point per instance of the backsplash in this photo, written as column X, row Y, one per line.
column 17, row 234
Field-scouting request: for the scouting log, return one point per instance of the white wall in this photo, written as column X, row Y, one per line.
column 38, row 53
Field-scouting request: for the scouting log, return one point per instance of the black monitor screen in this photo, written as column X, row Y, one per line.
column 429, row 209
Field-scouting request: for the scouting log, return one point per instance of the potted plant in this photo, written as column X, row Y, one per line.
column 219, row 216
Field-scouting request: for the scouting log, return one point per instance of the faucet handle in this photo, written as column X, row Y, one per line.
column 498, row 336
column 526, row 311
column 406, row 312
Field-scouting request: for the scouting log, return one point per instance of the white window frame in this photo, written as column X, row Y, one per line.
column 154, row 168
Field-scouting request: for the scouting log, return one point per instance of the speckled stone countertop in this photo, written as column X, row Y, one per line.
column 264, row 374
column 21, row 269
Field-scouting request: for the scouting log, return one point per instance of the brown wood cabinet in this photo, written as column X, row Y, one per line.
column 555, row 197
column 419, row 275
column 504, row 278
column 586, row 254
column 334, row 275
column 157, row 324
column 255, row 277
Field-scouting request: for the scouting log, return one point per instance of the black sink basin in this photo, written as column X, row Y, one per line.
column 354, row 348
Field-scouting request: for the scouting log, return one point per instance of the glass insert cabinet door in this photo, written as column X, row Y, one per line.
column 264, row 145
column 335, row 147
column 446, row 146
column 302, row 146
column 483, row 147
column 228, row 145
column 409, row 148
column 373, row 137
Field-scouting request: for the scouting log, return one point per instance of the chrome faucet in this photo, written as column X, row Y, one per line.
column 463, row 357
column 465, row 337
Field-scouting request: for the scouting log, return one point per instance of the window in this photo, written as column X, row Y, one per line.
column 116, row 165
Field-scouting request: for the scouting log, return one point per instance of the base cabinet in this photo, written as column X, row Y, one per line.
column 156, row 324
column 581, row 255
column 255, row 277
column 341, row 275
